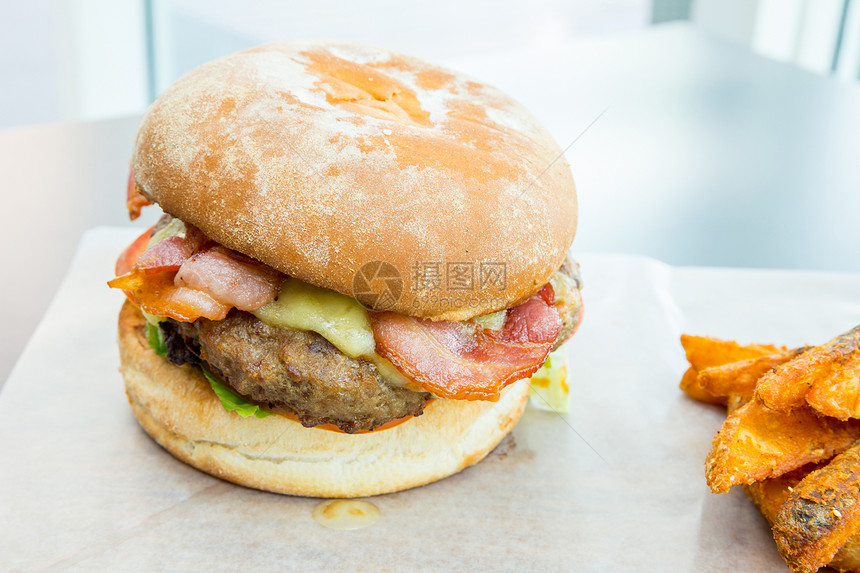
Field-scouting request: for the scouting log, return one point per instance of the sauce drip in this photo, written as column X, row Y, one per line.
column 346, row 514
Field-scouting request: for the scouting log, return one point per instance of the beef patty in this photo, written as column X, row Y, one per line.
column 294, row 370
column 304, row 374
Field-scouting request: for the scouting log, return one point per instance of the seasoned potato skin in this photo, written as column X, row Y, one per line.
column 821, row 513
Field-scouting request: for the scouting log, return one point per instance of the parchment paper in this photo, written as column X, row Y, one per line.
column 615, row 485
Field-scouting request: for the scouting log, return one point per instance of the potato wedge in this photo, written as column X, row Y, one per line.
column 838, row 394
column 736, row 401
column 757, row 443
column 690, row 385
column 741, row 377
column 705, row 351
column 847, row 559
column 785, row 388
column 820, row 514
column 770, row 495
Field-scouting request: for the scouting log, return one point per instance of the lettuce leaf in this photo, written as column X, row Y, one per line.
column 155, row 337
column 232, row 402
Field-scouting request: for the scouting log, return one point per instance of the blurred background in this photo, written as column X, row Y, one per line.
column 72, row 60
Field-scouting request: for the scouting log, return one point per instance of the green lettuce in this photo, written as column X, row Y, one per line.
column 232, row 402
column 155, row 336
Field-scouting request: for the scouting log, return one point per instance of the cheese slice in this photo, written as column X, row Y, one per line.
column 338, row 318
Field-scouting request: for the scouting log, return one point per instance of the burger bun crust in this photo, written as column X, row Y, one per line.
column 321, row 158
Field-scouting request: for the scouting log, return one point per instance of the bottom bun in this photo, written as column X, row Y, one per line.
column 178, row 409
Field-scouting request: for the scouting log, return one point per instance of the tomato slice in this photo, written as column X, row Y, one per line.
column 128, row 258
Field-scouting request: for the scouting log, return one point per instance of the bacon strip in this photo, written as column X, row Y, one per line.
column 127, row 259
column 134, row 201
column 463, row 361
column 185, row 277
column 169, row 254
column 165, row 255
column 245, row 285
column 156, row 294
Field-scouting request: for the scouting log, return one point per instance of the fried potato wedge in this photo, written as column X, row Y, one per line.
column 820, row 514
column 736, row 401
column 786, row 387
column 705, row 351
column 838, row 395
column 690, row 384
column 741, row 377
column 770, row 495
column 757, row 443
column 847, row 559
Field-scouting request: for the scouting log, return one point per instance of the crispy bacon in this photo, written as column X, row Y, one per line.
column 186, row 277
column 245, row 285
column 169, row 254
column 464, row 361
column 157, row 294
column 134, row 201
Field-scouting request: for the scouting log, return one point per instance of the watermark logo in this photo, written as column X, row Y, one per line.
column 377, row 285
column 434, row 284
column 493, row 275
column 458, row 284
column 459, row 276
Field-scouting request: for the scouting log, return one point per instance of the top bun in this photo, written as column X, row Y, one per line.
column 318, row 158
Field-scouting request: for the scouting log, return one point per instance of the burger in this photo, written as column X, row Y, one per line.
column 362, row 260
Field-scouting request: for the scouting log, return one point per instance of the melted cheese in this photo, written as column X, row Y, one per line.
column 336, row 317
column 492, row 321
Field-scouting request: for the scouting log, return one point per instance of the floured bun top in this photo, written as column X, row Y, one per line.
column 408, row 186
